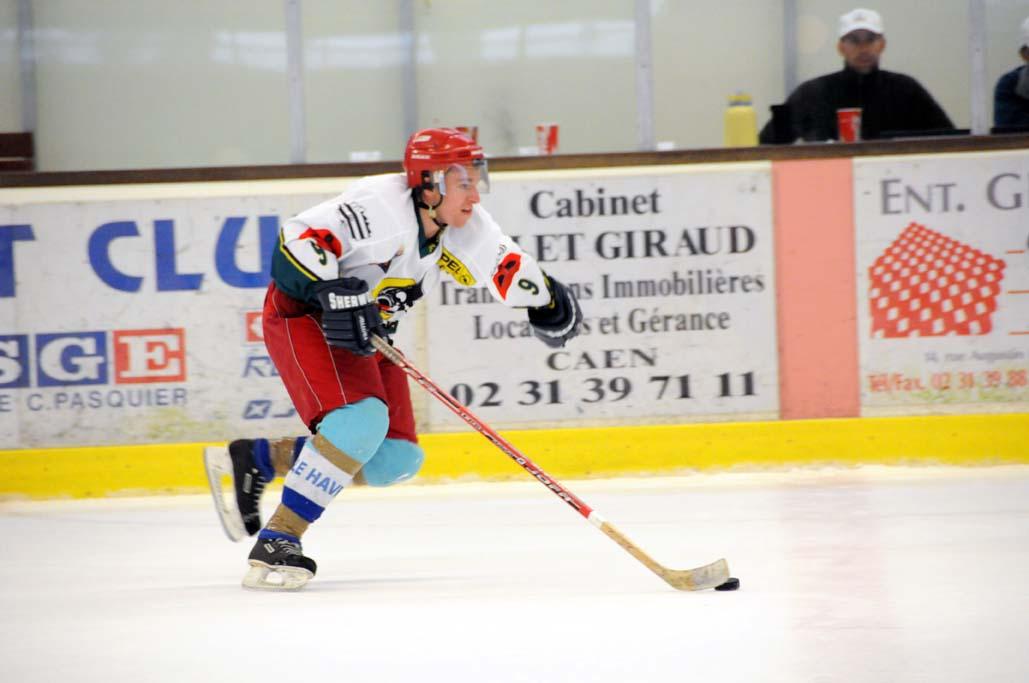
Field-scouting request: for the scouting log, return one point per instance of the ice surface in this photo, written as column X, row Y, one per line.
column 867, row 574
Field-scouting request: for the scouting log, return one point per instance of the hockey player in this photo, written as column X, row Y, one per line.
column 345, row 270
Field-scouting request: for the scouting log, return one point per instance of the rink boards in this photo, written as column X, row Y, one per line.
column 965, row 440
column 737, row 314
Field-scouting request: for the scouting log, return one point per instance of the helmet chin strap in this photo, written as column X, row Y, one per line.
column 419, row 201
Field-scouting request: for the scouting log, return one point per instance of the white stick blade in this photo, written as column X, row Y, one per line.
column 701, row 578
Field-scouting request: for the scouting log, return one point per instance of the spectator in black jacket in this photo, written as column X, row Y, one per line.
column 1011, row 96
column 889, row 101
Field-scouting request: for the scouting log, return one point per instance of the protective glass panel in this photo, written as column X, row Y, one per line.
column 10, row 85
column 1007, row 80
column 505, row 67
column 354, row 61
column 925, row 39
column 703, row 54
column 149, row 83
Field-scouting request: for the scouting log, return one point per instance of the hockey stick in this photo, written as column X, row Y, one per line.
column 708, row 576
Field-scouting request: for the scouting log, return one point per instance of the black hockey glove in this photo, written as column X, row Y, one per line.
column 558, row 321
column 349, row 316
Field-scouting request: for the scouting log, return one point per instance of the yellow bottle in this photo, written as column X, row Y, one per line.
column 740, row 122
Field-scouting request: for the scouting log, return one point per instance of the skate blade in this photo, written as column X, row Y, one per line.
column 265, row 577
column 218, row 464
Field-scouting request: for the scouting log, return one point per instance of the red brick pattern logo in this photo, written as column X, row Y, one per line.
column 927, row 285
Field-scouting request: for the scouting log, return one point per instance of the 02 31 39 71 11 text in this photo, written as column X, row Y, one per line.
column 590, row 390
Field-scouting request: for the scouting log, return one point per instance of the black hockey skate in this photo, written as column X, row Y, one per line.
column 243, row 517
column 279, row 564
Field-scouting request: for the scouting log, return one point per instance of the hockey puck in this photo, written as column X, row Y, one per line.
column 731, row 584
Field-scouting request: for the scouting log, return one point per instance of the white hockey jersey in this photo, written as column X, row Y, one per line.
column 371, row 231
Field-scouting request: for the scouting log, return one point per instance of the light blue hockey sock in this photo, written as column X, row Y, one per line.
column 347, row 438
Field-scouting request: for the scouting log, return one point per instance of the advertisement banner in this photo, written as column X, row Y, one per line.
column 943, row 282
column 132, row 315
column 138, row 320
column 673, row 268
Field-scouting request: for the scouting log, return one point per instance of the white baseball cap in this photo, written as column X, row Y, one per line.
column 861, row 19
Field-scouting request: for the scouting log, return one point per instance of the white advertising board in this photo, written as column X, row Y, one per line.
column 136, row 320
column 943, row 282
column 673, row 268
column 132, row 314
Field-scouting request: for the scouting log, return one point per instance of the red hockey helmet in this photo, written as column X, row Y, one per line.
column 431, row 152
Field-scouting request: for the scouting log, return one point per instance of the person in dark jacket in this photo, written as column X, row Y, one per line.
column 889, row 101
column 1011, row 96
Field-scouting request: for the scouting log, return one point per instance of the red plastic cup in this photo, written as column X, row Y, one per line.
column 546, row 138
column 848, row 122
column 470, row 131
